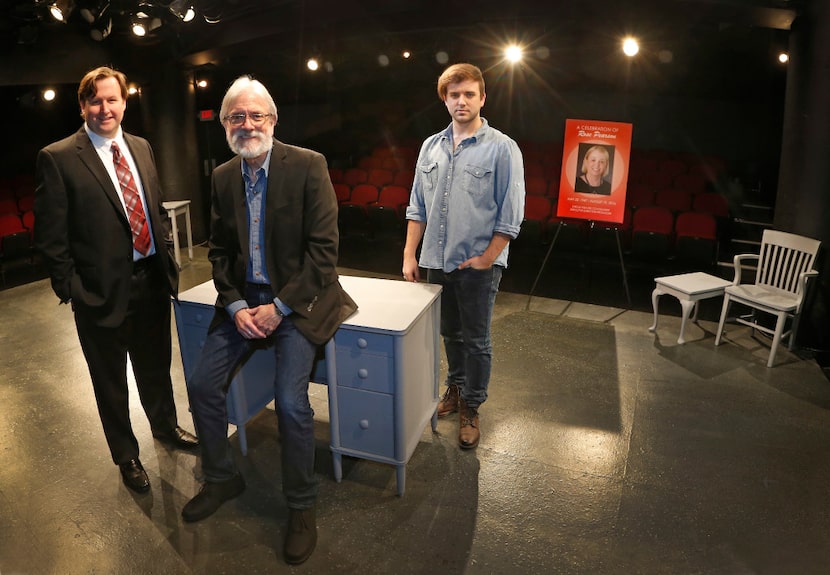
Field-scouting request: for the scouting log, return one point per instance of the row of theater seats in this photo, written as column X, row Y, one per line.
column 367, row 209
column 17, row 220
column 377, row 177
column 649, row 170
column 380, row 182
column 649, row 233
column 373, row 195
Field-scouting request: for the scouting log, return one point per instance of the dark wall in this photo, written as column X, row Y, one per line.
column 358, row 105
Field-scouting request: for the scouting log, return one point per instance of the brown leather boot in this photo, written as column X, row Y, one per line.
column 449, row 401
column 468, row 430
column 301, row 535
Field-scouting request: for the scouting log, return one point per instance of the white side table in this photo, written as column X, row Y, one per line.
column 176, row 208
column 688, row 289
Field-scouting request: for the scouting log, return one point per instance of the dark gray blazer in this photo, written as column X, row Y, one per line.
column 301, row 239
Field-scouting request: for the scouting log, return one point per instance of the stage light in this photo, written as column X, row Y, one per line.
column 101, row 30
column 383, row 60
column 442, row 57
column 406, row 54
column 93, row 11
column 630, row 47
column 783, row 57
column 139, row 29
column 61, row 9
column 513, row 53
column 183, row 10
column 312, row 64
column 132, row 90
column 211, row 10
column 143, row 23
column 49, row 94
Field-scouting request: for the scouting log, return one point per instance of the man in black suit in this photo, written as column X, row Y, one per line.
column 273, row 246
column 105, row 238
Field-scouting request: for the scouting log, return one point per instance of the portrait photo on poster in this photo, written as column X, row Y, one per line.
column 595, row 168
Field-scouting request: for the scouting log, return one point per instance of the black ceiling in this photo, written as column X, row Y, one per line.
column 706, row 41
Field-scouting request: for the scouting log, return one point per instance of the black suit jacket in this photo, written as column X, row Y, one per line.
column 82, row 230
column 301, row 239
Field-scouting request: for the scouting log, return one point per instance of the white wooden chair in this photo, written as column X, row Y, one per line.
column 785, row 263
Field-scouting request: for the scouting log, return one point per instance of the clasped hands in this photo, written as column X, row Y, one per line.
column 258, row 322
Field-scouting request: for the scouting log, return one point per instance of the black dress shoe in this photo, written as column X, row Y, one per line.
column 178, row 438
column 134, row 476
column 301, row 538
column 211, row 497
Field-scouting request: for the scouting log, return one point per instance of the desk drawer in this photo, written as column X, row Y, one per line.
column 365, row 371
column 357, row 342
column 196, row 314
column 366, row 421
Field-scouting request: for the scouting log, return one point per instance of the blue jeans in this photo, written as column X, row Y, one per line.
column 467, row 300
column 208, row 387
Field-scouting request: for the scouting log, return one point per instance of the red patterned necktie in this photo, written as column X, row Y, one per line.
column 132, row 199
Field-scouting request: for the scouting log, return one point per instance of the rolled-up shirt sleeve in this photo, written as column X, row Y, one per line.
column 510, row 191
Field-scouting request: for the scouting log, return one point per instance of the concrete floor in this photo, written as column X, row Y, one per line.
column 605, row 449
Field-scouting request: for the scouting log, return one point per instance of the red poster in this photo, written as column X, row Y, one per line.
column 594, row 176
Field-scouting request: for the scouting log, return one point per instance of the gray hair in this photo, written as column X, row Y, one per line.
column 245, row 84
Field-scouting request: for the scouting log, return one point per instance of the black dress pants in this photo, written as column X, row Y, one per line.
column 145, row 337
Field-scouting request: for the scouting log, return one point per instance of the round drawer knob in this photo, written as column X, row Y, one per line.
column 363, row 373
column 364, row 424
column 362, row 343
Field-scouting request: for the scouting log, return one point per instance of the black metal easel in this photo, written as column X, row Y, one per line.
column 550, row 249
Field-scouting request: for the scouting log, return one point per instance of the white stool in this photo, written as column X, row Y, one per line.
column 174, row 209
column 688, row 289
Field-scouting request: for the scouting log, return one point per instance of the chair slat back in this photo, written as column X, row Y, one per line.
column 783, row 258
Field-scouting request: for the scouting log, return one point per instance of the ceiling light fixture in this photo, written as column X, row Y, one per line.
column 211, row 11
column 183, row 10
column 138, row 27
column 101, row 30
column 61, row 9
column 93, row 11
column 143, row 23
column 630, row 47
column 513, row 53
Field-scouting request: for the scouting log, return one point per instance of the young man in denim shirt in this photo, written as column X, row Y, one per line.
column 467, row 203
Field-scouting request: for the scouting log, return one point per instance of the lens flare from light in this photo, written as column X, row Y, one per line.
column 513, row 53
column 630, row 47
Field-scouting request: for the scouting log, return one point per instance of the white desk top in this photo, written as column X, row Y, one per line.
column 383, row 305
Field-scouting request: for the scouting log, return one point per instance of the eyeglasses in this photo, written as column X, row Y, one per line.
column 256, row 118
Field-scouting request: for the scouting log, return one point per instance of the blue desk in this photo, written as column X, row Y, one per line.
column 381, row 367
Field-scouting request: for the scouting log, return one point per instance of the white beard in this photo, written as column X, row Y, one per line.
column 249, row 148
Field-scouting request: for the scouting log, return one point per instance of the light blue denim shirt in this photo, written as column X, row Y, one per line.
column 467, row 195
column 255, row 196
column 255, row 201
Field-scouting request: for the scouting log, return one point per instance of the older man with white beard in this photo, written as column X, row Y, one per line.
column 273, row 247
